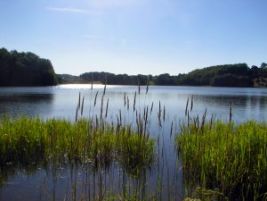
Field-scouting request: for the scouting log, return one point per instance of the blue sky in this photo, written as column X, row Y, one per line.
column 136, row 36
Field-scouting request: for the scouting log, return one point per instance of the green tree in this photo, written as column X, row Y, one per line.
column 25, row 69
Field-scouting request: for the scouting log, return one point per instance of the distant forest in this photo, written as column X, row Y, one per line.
column 230, row 75
column 25, row 69
column 28, row 69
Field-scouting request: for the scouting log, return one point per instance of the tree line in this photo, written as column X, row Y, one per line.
column 28, row 69
column 230, row 75
column 233, row 75
column 25, row 69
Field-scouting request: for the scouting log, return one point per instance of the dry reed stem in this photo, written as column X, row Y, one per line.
column 96, row 95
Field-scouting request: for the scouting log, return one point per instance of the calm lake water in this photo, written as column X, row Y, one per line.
column 74, row 183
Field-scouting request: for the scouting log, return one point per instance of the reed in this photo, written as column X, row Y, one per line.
column 135, row 152
column 226, row 157
column 26, row 141
column 221, row 161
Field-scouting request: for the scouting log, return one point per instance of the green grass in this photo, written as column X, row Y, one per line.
column 227, row 158
column 25, row 141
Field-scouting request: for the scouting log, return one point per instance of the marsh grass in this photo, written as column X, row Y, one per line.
column 221, row 161
column 26, row 141
column 225, row 157
column 134, row 152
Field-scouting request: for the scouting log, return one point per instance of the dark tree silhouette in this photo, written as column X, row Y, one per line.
column 25, row 69
column 230, row 75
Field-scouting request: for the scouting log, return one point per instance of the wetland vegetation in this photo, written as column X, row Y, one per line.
column 219, row 160
column 26, row 141
column 133, row 100
column 229, row 160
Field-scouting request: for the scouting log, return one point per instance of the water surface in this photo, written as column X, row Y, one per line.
column 61, row 183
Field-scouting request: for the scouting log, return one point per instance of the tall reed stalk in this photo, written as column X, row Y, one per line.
column 225, row 157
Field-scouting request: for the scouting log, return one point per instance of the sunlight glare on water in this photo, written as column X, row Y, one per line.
column 85, row 86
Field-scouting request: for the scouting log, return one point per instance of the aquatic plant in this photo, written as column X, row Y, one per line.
column 226, row 157
column 25, row 141
column 135, row 152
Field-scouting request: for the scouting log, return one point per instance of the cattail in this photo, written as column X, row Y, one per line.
column 76, row 113
column 164, row 113
column 171, row 129
column 105, row 87
column 151, row 108
column 137, row 122
column 78, row 107
column 188, row 120
column 144, row 113
column 159, row 109
column 186, row 107
column 146, row 117
column 230, row 113
column 82, row 107
column 106, row 114
column 124, row 99
column 95, row 98
column 140, row 123
column 96, row 122
column 101, row 106
column 134, row 102
column 120, row 117
column 159, row 115
column 192, row 103
column 79, row 100
column 128, row 103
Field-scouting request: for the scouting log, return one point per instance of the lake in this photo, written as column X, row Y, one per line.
column 79, row 182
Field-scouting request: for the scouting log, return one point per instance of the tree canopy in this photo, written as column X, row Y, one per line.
column 25, row 69
column 229, row 75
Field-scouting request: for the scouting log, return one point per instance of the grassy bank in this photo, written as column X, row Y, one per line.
column 26, row 141
column 228, row 159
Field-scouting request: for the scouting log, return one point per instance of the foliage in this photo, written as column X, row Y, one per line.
column 25, row 69
column 230, row 75
column 25, row 141
column 223, row 75
column 225, row 156
column 110, row 78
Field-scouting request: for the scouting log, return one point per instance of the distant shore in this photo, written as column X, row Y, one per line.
column 231, row 75
column 28, row 69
